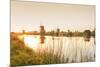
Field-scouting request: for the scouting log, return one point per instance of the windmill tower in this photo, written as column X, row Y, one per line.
column 42, row 30
column 42, row 33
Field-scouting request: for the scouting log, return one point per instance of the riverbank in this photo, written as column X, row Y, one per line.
column 21, row 55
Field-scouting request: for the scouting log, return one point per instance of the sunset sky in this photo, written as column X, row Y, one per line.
column 30, row 15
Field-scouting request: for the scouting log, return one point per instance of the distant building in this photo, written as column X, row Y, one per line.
column 42, row 31
column 23, row 31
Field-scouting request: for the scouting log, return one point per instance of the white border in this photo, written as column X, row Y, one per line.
column 4, row 33
column 89, row 2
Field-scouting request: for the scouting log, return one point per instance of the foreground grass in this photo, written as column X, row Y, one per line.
column 23, row 55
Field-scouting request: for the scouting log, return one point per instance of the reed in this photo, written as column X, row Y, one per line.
column 23, row 55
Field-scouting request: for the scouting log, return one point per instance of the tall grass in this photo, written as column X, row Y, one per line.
column 21, row 55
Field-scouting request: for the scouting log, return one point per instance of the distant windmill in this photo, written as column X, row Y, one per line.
column 42, row 32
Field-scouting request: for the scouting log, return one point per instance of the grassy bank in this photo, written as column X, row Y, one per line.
column 22, row 55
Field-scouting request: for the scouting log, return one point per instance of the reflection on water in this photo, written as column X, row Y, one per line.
column 42, row 39
column 71, row 49
column 86, row 39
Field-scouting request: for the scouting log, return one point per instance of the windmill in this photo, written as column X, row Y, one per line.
column 42, row 32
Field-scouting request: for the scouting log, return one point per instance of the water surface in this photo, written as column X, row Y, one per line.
column 70, row 49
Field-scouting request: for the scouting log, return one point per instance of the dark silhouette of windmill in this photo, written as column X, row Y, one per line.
column 42, row 33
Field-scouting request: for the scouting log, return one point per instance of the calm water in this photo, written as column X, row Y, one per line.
column 71, row 49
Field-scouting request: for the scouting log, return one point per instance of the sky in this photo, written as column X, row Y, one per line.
column 30, row 15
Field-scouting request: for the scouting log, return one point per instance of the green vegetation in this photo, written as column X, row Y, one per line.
column 23, row 55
